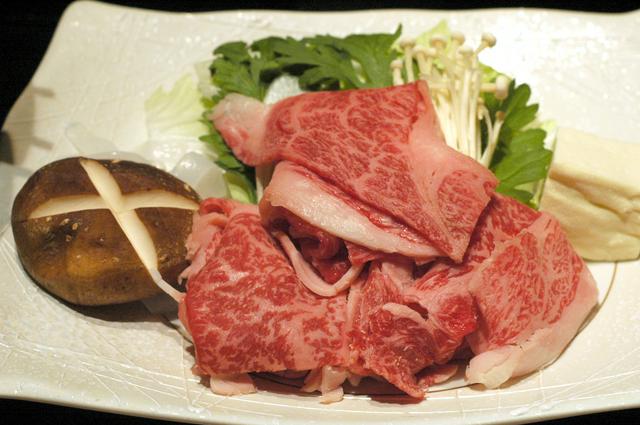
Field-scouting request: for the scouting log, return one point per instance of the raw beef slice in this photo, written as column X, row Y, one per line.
column 382, row 147
column 518, row 297
column 443, row 291
column 532, row 295
column 246, row 309
column 387, row 338
column 324, row 206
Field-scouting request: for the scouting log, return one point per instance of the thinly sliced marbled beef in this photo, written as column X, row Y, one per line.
column 443, row 292
column 518, row 297
column 331, row 211
column 246, row 309
column 387, row 338
column 382, row 147
column 532, row 295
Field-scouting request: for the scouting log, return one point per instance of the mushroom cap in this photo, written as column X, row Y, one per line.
column 489, row 39
column 457, row 36
column 438, row 41
column 502, row 87
column 407, row 42
column 397, row 64
column 420, row 49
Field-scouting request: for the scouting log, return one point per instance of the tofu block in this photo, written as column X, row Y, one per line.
column 593, row 189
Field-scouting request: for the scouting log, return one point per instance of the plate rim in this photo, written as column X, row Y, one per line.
column 84, row 404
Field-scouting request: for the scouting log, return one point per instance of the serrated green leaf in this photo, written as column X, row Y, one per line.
column 314, row 76
column 235, row 52
column 325, row 62
column 372, row 52
column 215, row 141
column 520, row 161
column 520, row 195
column 233, row 78
column 517, row 99
column 265, row 47
column 526, row 141
column 207, row 103
column 518, row 118
column 523, row 167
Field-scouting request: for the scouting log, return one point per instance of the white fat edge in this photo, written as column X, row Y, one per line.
column 303, row 270
column 230, row 385
column 281, row 88
column 458, row 380
column 128, row 220
column 307, row 274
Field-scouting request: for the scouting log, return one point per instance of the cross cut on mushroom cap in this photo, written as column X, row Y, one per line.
column 123, row 208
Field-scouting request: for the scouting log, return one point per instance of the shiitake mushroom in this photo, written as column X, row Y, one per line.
column 96, row 232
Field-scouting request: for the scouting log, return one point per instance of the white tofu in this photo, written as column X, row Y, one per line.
column 593, row 189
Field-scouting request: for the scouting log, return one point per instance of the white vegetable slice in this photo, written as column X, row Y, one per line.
column 175, row 112
column 202, row 174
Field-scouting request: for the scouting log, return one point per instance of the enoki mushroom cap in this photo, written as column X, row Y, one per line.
column 488, row 39
column 502, row 87
column 438, row 41
column 458, row 37
column 420, row 50
column 407, row 43
column 397, row 64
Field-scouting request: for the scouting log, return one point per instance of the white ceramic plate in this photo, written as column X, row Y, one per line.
column 104, row 61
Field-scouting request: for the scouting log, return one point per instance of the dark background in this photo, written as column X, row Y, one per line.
column 26, row 28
